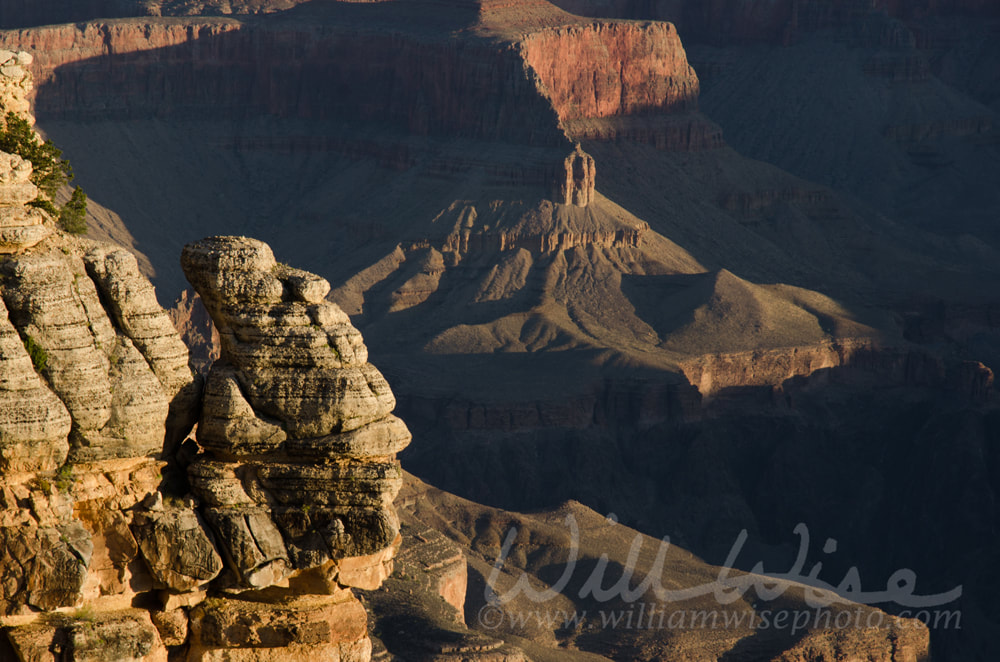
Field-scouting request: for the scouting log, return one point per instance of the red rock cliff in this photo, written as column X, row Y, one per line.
column 174, row 67
column 611, row 68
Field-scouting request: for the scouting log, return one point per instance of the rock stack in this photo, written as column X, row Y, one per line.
column 242, row 545
column 118, row 541
column 297, row 472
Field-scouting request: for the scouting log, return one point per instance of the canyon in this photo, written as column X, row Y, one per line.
column 736, row 283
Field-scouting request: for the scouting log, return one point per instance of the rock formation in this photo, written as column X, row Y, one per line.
column 20, row 226
column 293, row 485
column 16, row 83
column 95, row 382
column 297, row 476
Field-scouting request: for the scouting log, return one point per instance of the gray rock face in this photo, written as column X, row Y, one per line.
column 229, row 427
column 300, row 360
column 177, row 549
column 92, row 367
column 34, row 423
column 294, row 470
column 133, row 308
column 300, row 467
column 119, row 407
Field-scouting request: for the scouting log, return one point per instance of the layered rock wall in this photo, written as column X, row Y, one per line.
column 26, row 13
column 221, row 67
column 297, row 472
column 95, row 383
column 772, row 21
column 242, row 545
column 612, row 68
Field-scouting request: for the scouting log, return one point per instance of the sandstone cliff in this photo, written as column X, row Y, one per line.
column 95, row 384
column 292, row 476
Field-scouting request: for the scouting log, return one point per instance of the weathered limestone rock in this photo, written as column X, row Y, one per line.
column 16, row 188
column 16, row 83
column 300, row 362
column 229, row 427
column 34, row 423
column 294, row 477
column 118, row 406
column 125, row 636
column 20, row 227
column 577, row 187
column 93, row 381
column 177, row 548
column 122, row 371
column 134, row 309
column 299, row 470
column 290, row 628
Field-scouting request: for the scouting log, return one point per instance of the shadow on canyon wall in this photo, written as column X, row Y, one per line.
column 342, row 139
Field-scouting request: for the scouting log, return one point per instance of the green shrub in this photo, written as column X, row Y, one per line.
column 45, row 205
column 38, row 355
column 65, row 478
column 73, row 216
column 85, row 614
column 49, row 172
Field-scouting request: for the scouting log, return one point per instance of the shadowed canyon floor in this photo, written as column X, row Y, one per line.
column 761, row 290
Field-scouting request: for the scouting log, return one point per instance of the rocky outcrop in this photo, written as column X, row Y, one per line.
column 298, row 474
column 293, row 481
column 16, row 83
column 91, row 369
column 578, row 186
column 20, row 226
column 105, row 374
column 96, row 388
